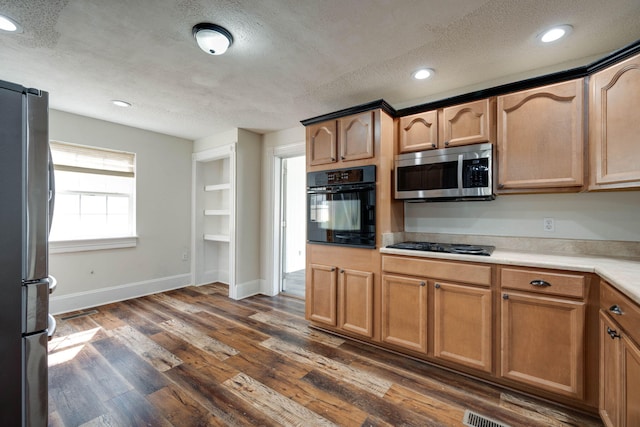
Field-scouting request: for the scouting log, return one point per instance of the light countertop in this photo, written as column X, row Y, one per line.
column 622, row 273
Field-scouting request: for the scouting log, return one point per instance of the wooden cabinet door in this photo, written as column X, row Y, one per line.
column 322, row 293
column 543, row 342
column 468, row 123
column 404, row 312
column 355, row 296
column 614, row 126
column 356, row 136
column 462, row 325
column 419, row 132
column 540, row 138
column 322, row 142
column 610, row 374
column 630, row 383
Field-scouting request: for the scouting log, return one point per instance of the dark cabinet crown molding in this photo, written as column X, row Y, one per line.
column 547, row 79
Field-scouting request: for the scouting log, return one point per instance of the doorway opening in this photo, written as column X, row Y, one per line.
column 293, row 226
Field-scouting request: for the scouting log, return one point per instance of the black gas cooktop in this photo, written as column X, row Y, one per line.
column 452, row 248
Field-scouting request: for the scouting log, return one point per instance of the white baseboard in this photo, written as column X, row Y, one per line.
column 82, row 300
column 248, row 289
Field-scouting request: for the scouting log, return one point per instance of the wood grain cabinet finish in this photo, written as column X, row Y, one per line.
column 404, row 312
column 418, row 132
column 322, row 143
column 469, row 123
column 614, row 126
column 356, row 136
column 462, row 325
column 321, row 291
column 542, row 341
column 541, row 139
column 355, row 296
column 619, row 359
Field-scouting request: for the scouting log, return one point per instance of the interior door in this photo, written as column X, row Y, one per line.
column 293, row 242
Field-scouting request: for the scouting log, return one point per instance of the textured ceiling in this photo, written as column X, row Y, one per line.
column 291, row 59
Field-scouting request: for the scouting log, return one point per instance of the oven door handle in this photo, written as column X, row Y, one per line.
column 339, row 190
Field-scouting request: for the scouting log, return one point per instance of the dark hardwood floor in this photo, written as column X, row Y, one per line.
column 193, row 357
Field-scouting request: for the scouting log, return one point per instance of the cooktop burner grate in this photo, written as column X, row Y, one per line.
column 453, row 248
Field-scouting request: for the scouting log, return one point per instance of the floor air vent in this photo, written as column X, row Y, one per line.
column 472, row 419
column 76, row 315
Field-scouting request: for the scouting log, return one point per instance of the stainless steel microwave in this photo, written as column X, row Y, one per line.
column 457, row 173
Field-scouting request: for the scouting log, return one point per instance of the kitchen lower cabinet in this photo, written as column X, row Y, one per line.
column 355, row 294
column 543, row 317
column 619, row 359
column 404, row 312
column 321, row 291
column 341, row 297
column 462, row 325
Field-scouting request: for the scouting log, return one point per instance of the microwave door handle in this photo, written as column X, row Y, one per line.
column 460, row 177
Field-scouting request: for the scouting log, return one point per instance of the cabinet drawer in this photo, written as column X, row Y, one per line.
column 457, row 272
column 544, row 282
column 621, row 309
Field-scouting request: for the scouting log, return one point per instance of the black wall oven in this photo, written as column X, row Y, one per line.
column 341, row 207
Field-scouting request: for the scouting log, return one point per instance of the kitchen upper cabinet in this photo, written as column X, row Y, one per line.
column 614, row 126
column 419, row 132
column 322, row 143
column 464, row 124
column 321, row 294
column 470, row 123
column 462, row 325
column 619, row 359
column 356, row 136
column 343, row 140
column 404, row 312
column 543, row 330
column 541, row 139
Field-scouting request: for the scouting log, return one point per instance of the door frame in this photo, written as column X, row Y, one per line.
column 275, row 264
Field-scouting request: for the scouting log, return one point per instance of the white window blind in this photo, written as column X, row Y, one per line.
column 95, row 193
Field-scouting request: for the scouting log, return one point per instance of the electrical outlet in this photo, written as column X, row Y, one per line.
column 185, row 256
column 548, row 224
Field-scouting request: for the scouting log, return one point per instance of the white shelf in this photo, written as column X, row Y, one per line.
column 216, row 212
column 216, row 238
column 217, row 187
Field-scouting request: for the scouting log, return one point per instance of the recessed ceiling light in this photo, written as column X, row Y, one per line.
column 423, row 73
column 555, row 33
column 120, row 103
column 8, row 24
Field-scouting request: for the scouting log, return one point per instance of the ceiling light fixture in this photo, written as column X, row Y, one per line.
column 212, row 38
column 8, row 24
column 120, row 103
column 555, row 33
column 423, row 73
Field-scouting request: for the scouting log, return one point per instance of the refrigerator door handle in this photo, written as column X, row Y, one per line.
column 51, row 326
column 53, row 284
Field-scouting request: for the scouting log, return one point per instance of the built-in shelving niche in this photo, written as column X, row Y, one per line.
column 213, row 210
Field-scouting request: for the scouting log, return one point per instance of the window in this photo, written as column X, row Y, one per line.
column 95, row 193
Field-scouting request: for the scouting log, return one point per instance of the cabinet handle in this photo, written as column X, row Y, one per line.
column 446, row 143
column 505, row 296
column 437, row 285
column 500, row 185
column 341, row 157
column 333, row 159
column 433, row 145
column 423, row 284
column 333, row 269
column 613, row 333
column 540, row 283
column 615, row 309
column 341, row 271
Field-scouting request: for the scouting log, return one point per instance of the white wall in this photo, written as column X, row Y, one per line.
column 163, row 198
column 585, row 216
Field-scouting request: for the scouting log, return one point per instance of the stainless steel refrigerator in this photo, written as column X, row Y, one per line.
column 26, row 206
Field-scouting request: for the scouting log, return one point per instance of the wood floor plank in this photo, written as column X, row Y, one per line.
column 204, row 342
column 154, row 354
column 298, row 327
column 282, row 410
column 181, row 409
column 134, row 410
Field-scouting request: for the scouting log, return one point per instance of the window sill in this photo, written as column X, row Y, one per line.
column 63, row 246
